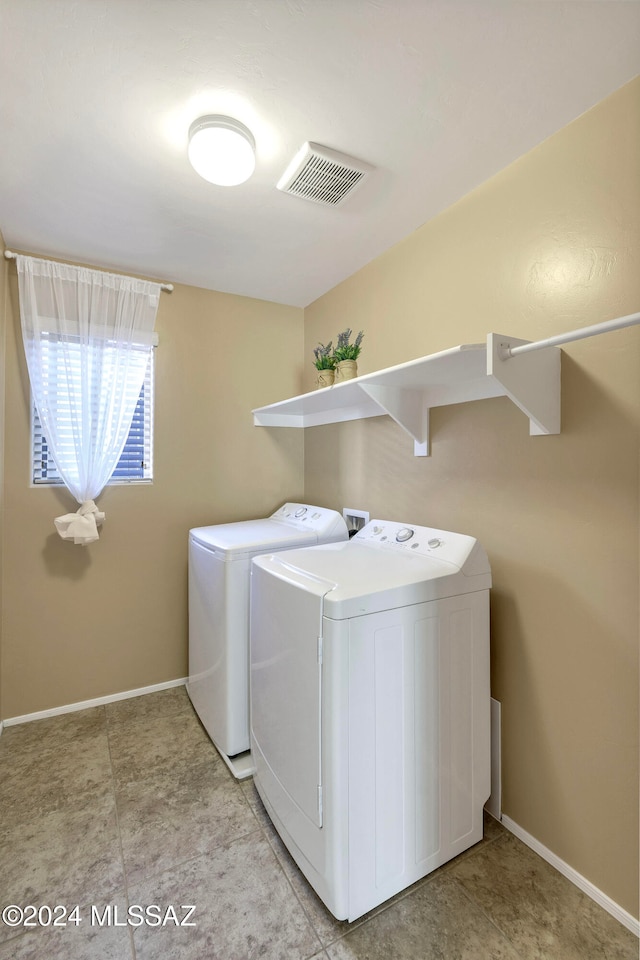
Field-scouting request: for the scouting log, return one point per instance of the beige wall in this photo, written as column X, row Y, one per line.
column 548, row 245
column 83, row 622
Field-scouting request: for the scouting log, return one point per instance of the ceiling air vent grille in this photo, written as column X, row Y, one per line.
column 323, row 175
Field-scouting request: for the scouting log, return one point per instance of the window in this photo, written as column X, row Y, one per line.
column 136, row 461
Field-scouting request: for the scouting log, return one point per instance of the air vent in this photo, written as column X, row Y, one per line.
column 323, row 175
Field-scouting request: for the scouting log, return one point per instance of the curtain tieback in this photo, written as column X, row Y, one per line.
column 81, row 526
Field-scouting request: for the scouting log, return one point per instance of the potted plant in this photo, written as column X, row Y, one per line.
column 346, row 355
column 325, row 364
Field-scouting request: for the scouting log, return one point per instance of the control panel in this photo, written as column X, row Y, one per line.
column 420, row 541
column 301, row 516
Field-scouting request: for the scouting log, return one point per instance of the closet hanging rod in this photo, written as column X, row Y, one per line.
column 581, row 334
column 10, row 255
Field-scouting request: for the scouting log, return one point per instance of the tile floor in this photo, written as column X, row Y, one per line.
column 129, row 804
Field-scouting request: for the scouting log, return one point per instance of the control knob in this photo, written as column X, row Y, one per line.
column 403, row 535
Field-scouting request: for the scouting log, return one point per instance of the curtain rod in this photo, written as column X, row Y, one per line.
column 9, row 255
column 580, row 334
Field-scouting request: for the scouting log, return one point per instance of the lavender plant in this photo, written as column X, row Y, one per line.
column 324, row 357
column 346, row 350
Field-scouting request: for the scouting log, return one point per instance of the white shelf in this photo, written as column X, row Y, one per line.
column 407, row 391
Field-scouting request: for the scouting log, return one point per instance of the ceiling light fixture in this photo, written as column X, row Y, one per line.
column 222, row 150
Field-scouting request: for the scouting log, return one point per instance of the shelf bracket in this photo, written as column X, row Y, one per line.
column 407, row 408
column 531, row 380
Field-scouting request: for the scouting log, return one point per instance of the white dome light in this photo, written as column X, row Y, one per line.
column 221, row 150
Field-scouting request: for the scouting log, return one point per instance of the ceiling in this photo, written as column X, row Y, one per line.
column 439, row 95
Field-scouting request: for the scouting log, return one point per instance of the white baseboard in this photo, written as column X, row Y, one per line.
column 625, row 918
column 87, row 704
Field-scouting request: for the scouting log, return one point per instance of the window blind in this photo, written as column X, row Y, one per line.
column 136, row 461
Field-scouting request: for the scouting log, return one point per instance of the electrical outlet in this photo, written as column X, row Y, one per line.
column 355, row 519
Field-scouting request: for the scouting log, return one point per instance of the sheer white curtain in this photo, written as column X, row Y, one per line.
column 88, row 336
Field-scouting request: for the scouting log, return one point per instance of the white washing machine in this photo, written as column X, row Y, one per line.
column 370, row 706
column 219, row 576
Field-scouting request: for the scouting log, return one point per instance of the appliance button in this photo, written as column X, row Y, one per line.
column 403, row 535
column 301, row 512
column 377, row 530
column 436, row 542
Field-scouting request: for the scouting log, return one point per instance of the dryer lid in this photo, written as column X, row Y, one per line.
column 371, row 574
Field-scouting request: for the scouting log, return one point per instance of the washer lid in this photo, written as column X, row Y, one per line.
column 371, row 574
column 293, row 525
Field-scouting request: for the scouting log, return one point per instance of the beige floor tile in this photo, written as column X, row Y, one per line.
column 73, row 942
column 539, row 910
column 61, row 858
column 164, row 703
column 36, row 782
column 166, row 820
column 245, row 908
column 164, row 744
column 434, row 922
column 191, row 834
column 54, row 733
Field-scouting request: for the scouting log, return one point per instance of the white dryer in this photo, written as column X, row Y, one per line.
column 219, row 576
column 370, row 706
